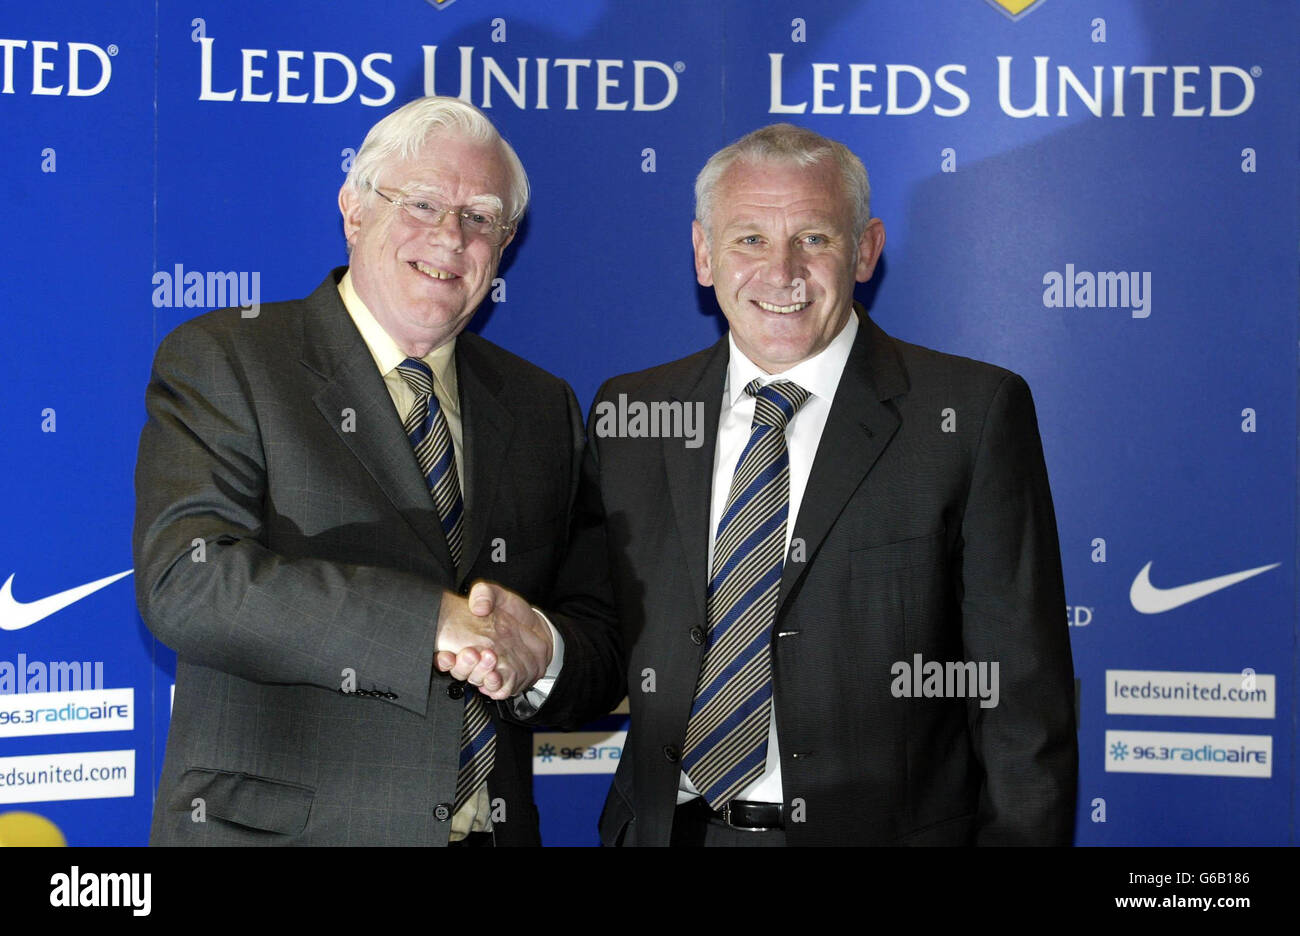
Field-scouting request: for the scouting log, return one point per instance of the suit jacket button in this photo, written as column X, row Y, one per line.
column 464, row 589
column 697, row 636
column 672, row 753
column 442, row 812
column 456, row 690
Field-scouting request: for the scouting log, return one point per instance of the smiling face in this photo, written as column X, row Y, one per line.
column 423, row 284
column 782, row 258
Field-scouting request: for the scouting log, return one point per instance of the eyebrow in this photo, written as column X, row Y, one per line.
column 492, row 201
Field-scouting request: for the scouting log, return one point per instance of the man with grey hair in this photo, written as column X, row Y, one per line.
column 318, row 490
column 840, row 619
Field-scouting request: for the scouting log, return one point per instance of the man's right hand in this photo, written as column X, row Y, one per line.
column 493, row 640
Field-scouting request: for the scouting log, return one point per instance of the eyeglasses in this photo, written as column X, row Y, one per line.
column 474, row 222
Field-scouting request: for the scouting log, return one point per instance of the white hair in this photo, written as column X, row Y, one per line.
column 405, row 132
column 786, row 143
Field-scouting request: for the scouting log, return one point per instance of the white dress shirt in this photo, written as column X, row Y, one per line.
column 820, row 376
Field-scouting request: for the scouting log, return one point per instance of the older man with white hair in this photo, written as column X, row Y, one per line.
column 319, row 487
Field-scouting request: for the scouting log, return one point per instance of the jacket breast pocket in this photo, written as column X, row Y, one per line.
column 903, row 554
column 534, row 536
column 903, row 585
column 246, row 800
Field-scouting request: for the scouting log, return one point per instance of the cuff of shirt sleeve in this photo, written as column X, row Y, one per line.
column 529, row 702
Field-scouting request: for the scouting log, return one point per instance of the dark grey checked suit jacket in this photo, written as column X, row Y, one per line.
column 273, row 444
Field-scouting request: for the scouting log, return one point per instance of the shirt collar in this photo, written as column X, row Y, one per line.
column 384, row 349
column 819, row 374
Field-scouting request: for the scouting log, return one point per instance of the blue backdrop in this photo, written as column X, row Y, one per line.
column 1102, row 197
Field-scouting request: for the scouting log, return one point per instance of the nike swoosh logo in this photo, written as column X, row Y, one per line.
column 1147, row 599
column 15, row 614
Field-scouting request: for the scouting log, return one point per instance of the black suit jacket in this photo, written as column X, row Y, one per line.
column 286, row 546
column 916, row 540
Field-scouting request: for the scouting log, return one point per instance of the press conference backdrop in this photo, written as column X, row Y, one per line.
column 1098, row 194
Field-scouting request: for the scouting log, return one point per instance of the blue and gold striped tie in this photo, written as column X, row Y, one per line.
column 726, row 738
column 426, row 427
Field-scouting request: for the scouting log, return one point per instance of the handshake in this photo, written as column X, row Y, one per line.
column 492, row 639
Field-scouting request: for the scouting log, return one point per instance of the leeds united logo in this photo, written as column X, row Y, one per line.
column 1014, row 9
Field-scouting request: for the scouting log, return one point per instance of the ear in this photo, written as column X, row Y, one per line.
column 703, row 266
column 870, row 245
column 351, row 209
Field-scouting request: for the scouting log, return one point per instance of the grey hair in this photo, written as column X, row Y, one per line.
column 786, row 143
column 405, row 132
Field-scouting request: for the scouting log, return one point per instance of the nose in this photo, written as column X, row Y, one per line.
column 447, row 230
column 782, row 266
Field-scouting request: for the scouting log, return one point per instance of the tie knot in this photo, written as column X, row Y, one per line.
column 776, row 403
column 417, row 375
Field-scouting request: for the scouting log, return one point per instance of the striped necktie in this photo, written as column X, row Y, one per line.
column 426, row 427
column 726, row 737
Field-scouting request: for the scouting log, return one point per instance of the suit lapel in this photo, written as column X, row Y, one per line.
column 334, row 349
column 860, row 425
column 486, row 427
column 690, row 471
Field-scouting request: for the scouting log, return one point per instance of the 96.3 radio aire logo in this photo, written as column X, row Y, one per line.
column 577, row 751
